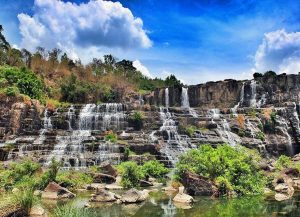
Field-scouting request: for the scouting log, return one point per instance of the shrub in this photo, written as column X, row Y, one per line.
column 257, row 75
column 25, row 199
column 73, row 179
column 154, row 169
column 72, row 211
column 11, row 91
column 231, row 168
column 241, row 121
column 111, row 137
column 269, row 74
column 283, row 162
column 27, row 82
column 138, row 116
column 131, row 174
column 190, row 130
column 260, row 135
column 241, row 133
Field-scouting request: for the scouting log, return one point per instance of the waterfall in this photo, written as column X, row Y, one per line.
column 167, row 97
column 47, row 120
column 253, row 93
column 169, row 209
column 47, row 125
column 185, row 104
column 70, row 116
column 283, row 126
column 262, row 101
column 250, row 126
column 176, row 144
column 234, row 109
column 70, row 149
column 214, row 114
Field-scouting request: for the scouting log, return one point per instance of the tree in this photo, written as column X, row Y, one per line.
column 14, row 57
column 270, row 74
column 53, row 55
column 97, row 66
column 4, row 45
column 26, row 56
column 257, row 75
column 172, row 81
column 109, row 60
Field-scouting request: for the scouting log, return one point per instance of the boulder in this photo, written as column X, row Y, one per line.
column 37, row 211
column 183, row 198
column 113, row 187
column 94, row 186
column 54, row 191
column 103, row 178
column 134, row 196
column 281, row 197
column 104, row 196
column 108, row 169
column 283, row 192
column 144, row 183
column 197, row 185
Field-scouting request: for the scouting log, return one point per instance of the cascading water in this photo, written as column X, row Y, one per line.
column 176, row 144
column 253, row 93
column 283, row 126
column 70, row 149
column 234, row 109
column 167, row 97
column 262, row 101
column 185, row 104
column 169, row 209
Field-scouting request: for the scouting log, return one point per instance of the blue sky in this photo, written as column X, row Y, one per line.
column 197, row 41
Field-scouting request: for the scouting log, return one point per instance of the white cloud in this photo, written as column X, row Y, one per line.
column 143, row 69
column 77, row 27
column 279, row 51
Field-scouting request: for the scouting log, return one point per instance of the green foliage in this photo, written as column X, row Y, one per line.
column 260, row 135
column 190, row 130
column 273, row 116
column 257, row 75
column 231, row 168
column 126, row 152
column 252, row 113
column 25, row 198
column 241, row 133
column 73, row 179
column 154, row 169
column 12, row 91
column 70, row 210
column 269, row 74
column 283, row 162
column 172, row 81
column 131, row 174
column 111, row 137
column 25, row 80
column 138, row 116
column 18, row 174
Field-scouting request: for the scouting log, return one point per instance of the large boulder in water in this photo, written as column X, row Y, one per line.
column 181, row 197
column 197, row 185
column 104, row 196
column 134, row 196
column 107, row 168
column 55, row 191
column 103, row 178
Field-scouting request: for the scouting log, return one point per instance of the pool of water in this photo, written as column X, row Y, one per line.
column 160, row 204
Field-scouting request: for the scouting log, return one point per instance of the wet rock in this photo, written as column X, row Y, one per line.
column 104, row 196
column 108, row 169
column 54, row 191
column 144, row 183
column 94, row 186
column 197, row 185
column 183, row 198
column 103, row 178
column 134, row 196
column 113, row 187
column 37, row 211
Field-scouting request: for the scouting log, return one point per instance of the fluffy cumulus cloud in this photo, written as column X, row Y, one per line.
column 72, row 26
column 143, row 69
column 279, row 51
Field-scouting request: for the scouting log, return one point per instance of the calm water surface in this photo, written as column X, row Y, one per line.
column 160, row 204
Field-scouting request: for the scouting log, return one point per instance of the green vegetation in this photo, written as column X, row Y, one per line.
column 283, row 162
column 25, row 198
column 21, row 80
column 131, row 172
column 231, row 169
column 138, row 116
column 73, row 179
column 111, row 137
column 73, row 211
column 260, row 135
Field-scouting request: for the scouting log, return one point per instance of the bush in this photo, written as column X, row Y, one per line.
column 190, row 130
column 283, row 162
column 72, row 211
column 269, row 74
column 131, row 174
column 25, row 80
column 73, row 179
column 231, row 168
column 25, row 199
column 260, row 135
column 257, row 75
column 138, row 116
column 11, row 91
column 111, row 137
column 154, row 169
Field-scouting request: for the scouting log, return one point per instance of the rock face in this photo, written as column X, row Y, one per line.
column 104, row 196
column 134, row 196
column 103, row 178
column 197, row 185
column 54, row 191
column 262, row 114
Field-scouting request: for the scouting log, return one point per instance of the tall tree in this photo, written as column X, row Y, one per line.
column 26, row 55
column 3, row 43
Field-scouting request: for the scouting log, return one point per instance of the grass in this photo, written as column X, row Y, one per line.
column 69, row 210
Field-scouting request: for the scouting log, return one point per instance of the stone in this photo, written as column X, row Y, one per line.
column 169, row 189
column 15, row 190
column 104, row 196
column 113, row 187
column 183, row 198
column 108, row 169
column 197, row 185
column 95, row 186
column 103, row 178
column 37, row 193
column 144, row 183
column 282, row 197
column 54, row 191
column 134, row 196
column 37, row 211
column 296, row 183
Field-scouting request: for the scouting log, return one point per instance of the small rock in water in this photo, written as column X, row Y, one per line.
column 134, row 196
column 104, row 196
column 183, row 198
